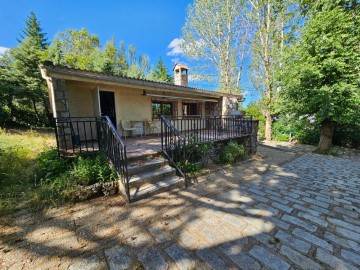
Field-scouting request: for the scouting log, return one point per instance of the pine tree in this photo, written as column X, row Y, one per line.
column 160, row 73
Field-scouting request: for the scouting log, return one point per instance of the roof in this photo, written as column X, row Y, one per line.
column 180, row 66
column 49, row 70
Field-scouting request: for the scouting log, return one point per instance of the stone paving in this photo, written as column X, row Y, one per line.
column 282, row 210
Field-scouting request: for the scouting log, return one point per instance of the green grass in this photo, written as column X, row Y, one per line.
column 18, row 153
column 33, row 176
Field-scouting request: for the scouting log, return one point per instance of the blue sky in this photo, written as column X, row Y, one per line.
column 152, row 26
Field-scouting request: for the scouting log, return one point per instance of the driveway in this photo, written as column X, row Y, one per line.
column 286, row 209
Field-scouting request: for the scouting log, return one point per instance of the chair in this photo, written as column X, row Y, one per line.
column 154, row 125
column 127, row 126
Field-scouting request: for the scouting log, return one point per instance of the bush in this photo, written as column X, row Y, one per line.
column 58, row 179
column 232, row 152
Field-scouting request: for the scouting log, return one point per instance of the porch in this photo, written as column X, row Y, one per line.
column 141, row 170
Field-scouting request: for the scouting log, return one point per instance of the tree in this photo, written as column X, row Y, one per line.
column 160, row 73
column 75, row 48
column 24, row 68
column 217, row 32
column 271, row 24
column 322, row 80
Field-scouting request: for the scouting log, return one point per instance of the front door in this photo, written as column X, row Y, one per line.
column 107, row 105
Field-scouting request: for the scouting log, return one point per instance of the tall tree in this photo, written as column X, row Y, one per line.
column 269, row 20
column 322, row 80
column 160, row 73
column 25, row 67
column 74, row 48
column 217, row 33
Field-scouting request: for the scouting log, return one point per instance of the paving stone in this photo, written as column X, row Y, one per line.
column 182, row 260
column 279, row 223
column 299, row 222
column 117, row 258
column 234, row 251
column 312, row 212
column 348, row 234
column 346, row 212
column 91, row 263
column 293, row 242
column 302, row 261
column 316, row 202
column 351, row 256
column 313, row 219
column 152, row 259
column 312, row 238
column 332, row 261
column 267, row 258
column 342, row 241
column 211, row 259
column 344, row 224
column 282, row 207
column 160, row 235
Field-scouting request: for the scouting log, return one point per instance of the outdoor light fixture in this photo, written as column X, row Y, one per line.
column 176, row 97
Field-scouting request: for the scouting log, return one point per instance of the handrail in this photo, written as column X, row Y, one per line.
column 115, row 149
column 170, row 138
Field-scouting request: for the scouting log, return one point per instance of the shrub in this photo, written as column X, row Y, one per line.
column 232, row 152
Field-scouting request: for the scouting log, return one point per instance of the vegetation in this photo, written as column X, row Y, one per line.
column 232, row 152
column 32, row 174
column 217, row 34
column 322, row 70
column 24, row 98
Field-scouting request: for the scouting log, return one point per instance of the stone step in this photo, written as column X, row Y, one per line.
column 138, row 155
column 149, row 189
column 153, row 177
column 141, row 166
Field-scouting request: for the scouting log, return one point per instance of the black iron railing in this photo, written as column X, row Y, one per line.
column 111, row 143
column 83, row 135
column 212, row 128
column 173, row 144
column 76, row 135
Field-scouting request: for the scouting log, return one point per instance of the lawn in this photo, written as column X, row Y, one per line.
column 19, row 150
column 32, row 175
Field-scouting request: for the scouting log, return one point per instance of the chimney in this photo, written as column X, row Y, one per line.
column 180, row 74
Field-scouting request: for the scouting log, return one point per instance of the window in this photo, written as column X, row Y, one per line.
column 189, row 109
column 161, row 108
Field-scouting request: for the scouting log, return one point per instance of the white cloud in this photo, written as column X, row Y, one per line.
column 174, row 47
column 3, row 50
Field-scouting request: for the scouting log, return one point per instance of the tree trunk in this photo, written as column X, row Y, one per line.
column 268, row 124
column 326, row 135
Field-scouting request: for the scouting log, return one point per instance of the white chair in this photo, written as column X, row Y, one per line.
column 127, row 126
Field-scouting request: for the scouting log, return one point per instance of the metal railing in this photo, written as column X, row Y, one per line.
column 173, row 144
column 212, row 128
column 83, row 135
column 76, row 135
column 111, row 143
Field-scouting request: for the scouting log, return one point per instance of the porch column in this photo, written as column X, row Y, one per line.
column 254, row 132
column 61, row 110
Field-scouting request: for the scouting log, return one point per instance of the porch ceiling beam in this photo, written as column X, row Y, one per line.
column 179, row 97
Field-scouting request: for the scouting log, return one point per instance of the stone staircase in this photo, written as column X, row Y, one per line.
column 149, row 175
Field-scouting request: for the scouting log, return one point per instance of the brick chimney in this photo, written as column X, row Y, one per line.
column 180, row 74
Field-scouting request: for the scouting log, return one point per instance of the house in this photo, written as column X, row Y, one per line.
column 95, row 111
column 81, row 93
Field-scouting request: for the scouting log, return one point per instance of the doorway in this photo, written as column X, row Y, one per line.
column 107, row 105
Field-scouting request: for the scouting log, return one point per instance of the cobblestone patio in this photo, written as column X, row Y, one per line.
column 285, row 209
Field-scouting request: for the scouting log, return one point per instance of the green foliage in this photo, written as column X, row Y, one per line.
column 254, row 110
column 191, row 168
column 160, row 73
column 216, row 35
column 232, row 152
column 22, row 90
column 321, row 72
